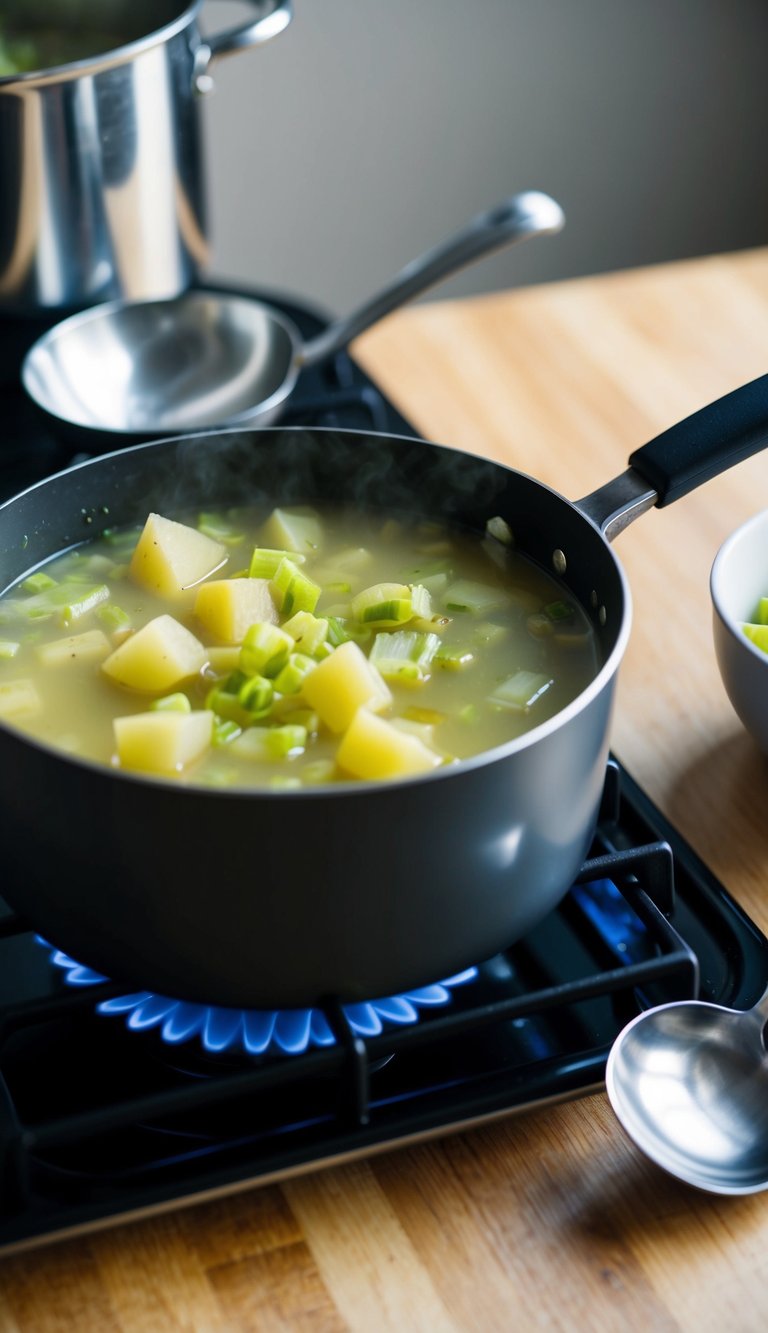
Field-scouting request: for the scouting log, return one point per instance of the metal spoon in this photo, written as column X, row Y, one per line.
column 689, row 1084
column 215, row 358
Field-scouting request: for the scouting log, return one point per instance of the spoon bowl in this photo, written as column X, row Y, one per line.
column 689, row 1084
column 128, row 371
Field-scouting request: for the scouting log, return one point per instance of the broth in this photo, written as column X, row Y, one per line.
column 478, row 646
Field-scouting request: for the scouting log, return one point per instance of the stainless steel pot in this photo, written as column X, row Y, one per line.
column 349, row 889
column 100, row 159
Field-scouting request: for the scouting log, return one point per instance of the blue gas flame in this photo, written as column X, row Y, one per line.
column 257, row 1031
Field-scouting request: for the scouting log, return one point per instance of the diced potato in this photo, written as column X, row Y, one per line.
column 224, row 660
column 91, row 646
column 19, row 698
column 343, row 683
column 163, row 742
column 293, row 530
column 157, row 657
column 227, row 607
column 171, row 557
column 374, row 748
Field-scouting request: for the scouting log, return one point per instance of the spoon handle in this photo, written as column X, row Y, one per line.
column 518, row 218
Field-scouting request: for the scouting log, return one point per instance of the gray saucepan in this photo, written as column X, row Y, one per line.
column 347, row 890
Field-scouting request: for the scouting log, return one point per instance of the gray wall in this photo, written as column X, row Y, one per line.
column 371, row 129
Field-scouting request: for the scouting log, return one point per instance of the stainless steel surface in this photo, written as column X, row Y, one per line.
column 101, row 160
column 213, row 358
column 618, row 503
column 689, row 1084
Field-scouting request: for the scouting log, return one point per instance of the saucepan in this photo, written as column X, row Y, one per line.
column 127, row 371
column 349, row 890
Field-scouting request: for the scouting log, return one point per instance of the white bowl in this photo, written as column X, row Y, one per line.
column 738, row 580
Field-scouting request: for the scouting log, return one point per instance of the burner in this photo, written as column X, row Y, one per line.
column 257, row 1031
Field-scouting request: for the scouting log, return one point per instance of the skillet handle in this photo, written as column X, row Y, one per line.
column 703, row 445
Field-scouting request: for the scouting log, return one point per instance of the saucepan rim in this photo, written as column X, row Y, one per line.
column 340, row 788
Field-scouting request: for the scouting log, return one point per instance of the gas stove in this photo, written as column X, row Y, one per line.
column 114, row 1105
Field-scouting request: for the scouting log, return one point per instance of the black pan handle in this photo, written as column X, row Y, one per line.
column 714, row 438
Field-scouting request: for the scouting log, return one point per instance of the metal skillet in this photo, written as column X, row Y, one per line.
column 279, row 898
column 133, row 370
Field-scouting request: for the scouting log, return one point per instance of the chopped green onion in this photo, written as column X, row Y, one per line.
column 292, row 676
column 308, row 632
column 121, row 539
column 452, row 657
column 421, row 601
column 292, row 590
column 79, row 606
column 219, row 529
column 224, row 699
column 465, row 595
column 255, row 696
column 264, row 562
column 558, row 611
column 337, row 631
column 113, row 617
column 265, row 650
column 270, row 742
column 521, row 691
column 383, row 604
column 405, row 655
column 225, row 730
column 171, row 703
column 286, row 710
column 8, row 649
column 67, row 600
column 38, row 582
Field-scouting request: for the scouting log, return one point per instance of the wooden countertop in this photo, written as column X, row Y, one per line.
column 548, row 1220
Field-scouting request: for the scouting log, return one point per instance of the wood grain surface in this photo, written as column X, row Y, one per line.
column 550, row 1220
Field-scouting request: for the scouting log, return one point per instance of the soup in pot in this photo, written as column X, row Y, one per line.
column 288, row 649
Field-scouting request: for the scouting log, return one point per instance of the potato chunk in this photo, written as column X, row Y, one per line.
column 171, row 557
column 163, row 743
column 157, row 657
column 90, row 646
column 373, row 748
column 19, row 698
column 342, row 683
column 293, row 530
column 227, row 607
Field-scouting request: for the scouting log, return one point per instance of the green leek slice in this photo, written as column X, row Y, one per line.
column 383, row 604
column 264, row 650
column 292, row 590
column 521, row 691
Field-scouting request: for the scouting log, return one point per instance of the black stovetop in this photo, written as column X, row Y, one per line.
column 100, row 1120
